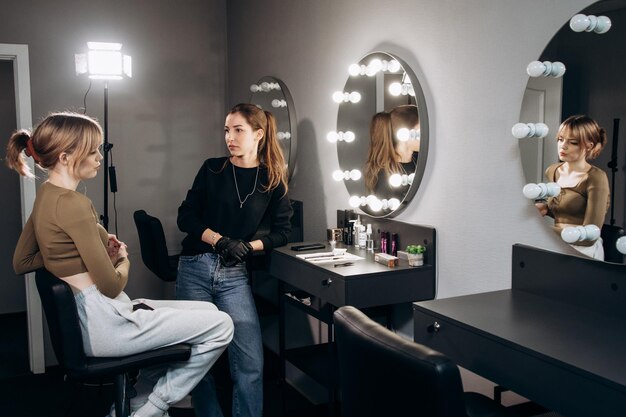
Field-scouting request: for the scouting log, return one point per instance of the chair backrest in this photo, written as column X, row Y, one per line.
column 59, row 306
column 153, row 246
column 610, row 234
column 384, row 374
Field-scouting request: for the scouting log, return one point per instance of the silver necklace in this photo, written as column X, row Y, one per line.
column 237, row 186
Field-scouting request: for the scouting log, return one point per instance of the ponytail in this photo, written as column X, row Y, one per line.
column 271, row 152
column 15, row 158
column 57, row 133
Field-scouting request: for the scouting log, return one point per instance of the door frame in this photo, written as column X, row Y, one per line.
column 21, row 70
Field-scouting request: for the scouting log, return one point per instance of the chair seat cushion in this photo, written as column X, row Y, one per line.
column 94, row 367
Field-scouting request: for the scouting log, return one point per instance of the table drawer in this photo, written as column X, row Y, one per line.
column 542, row 379
column 314, row 281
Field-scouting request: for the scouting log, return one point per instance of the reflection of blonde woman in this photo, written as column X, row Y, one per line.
column 388, row 155
column 584, row 197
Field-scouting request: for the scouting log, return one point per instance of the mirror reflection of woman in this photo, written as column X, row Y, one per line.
column 390, row 155
column 584, row 197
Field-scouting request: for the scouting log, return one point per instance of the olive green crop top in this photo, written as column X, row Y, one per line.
column 63, row 234
column 586, row 203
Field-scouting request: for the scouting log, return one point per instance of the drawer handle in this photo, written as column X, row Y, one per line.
column 327, row 282
column 433, row 328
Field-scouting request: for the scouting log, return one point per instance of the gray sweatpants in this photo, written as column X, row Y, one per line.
column 111, row 328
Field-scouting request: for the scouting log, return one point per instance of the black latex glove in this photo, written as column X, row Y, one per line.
column 232, row 251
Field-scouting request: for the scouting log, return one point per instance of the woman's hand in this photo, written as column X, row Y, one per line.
column 232, row 251
column 542, row 206
column 116, row 249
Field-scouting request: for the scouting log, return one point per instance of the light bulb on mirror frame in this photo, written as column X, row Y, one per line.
column 397, row 180
column 347, row 136
column 541, row 191
column 374, row 203
column 345, row 97
column 546, row 69
column 354, row 175
column 375, row 65
column 530, row 130
column 396, row 89
column 393, row 66
column 356, row 69
column 620, row 244
column 283, row 135
column 264, row 87
column 355, row 201
column 590, row 23
column 574, row 234
column 338, row 175
column 276, row 103
column 403, row 134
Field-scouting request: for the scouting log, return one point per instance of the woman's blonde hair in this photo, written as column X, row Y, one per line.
column 587, row 130
column 68, row 132
column 382, row 154
column 269, row 150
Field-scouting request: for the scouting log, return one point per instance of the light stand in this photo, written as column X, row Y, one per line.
column 106, row 148
column 105, row 61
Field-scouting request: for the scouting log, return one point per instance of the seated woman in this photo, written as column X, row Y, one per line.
column 63, row 235
column 390, row 155
column 584, row 197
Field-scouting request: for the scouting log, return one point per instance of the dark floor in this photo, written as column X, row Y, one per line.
column 23, row 394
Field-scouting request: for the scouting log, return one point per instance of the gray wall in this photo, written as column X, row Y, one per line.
column 163, row 122
column 470, row 57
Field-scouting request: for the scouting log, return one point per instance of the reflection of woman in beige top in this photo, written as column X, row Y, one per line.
column 584, row 197
column 63, row 235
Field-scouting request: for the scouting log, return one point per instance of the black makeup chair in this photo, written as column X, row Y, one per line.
column 59, row 306
column 384, row 374
column 154, row 248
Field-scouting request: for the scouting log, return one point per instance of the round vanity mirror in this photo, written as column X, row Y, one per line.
column 580, row 72
column 271, row 94
column 382, row 134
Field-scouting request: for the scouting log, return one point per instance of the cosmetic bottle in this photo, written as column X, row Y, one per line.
column 369, row 242
column 356, row 232
column 394, row 244
column 363, row 237
column 383, row 242
column 350, row 233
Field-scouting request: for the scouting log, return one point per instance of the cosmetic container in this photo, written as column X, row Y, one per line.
column 383, row 242
column 394, row 244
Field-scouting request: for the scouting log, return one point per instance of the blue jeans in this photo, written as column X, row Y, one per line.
column 202, row 277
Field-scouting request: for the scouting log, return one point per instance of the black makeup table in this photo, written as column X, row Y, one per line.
column 319, row 289
column 557, row 337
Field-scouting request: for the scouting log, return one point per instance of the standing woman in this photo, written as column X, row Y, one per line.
column 237, row 205
column 584, row 197
column 63, row 235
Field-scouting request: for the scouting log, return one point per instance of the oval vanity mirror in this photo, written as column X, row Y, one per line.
column 381, row 170
column 271, row 94
column 580, row 72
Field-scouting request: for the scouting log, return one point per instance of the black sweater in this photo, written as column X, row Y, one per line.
column 212, row 202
